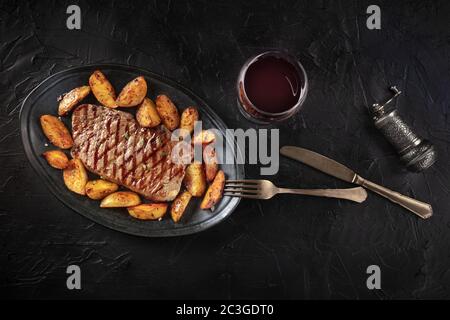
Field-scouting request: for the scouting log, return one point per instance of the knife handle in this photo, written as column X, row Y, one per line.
column 422, row 209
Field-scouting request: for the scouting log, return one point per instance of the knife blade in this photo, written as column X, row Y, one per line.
column 319, row 162
column 335, row 169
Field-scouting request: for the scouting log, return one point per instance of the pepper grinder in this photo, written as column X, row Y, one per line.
column 416, row 153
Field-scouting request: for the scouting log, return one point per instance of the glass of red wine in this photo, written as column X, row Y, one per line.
column 272, row 87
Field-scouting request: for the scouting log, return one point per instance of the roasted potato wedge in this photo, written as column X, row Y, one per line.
column 214, row 192
column 204, row 137
column 56, row 158
column 188, row 118
column 98, row 189
column 120, row 199
column 102, row 89
column 179, row 205
column 195, row 180
column 210, row 162
column 72, row 98
column 168, row 112
column 75, row 176
column 133, row 93
column 56, row 131
column 148, row 211
column 147, row 115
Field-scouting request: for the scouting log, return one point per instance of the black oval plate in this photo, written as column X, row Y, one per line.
column 42, row 100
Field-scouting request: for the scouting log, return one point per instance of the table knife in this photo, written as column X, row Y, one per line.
column 335, row 169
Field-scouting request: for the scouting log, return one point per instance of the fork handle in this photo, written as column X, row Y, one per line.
column 357, row 194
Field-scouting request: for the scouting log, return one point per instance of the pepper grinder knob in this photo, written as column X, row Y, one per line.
column 416, row 153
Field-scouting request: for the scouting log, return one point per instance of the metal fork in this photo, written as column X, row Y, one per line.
column 264, row 189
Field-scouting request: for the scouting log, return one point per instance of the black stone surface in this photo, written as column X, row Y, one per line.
column 288, row 247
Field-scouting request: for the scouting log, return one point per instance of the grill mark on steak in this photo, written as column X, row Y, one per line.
column 111, row 144
column 114, row 148
column 101, row 151
column 93, row 138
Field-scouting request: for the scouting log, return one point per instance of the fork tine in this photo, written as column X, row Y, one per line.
column 240, row 190
column 240, row 185
column 241, row 195
column 244, row 181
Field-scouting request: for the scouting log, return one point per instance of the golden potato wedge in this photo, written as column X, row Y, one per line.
column 75, row 176
column 98, row 189
column 195, row 180
column 72, row 98
column 56, row 131
column 146, row 114
column 214, row 192
column 56, row 158
column 120, row 199
column 133, row 93
column 102, row 89
column 188, row 118
column 168, row 112
column 179, row 205
column 210, row 162
column 148, row 211
column 204, row 137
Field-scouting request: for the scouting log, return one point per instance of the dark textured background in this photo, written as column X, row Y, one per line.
column 288, row 247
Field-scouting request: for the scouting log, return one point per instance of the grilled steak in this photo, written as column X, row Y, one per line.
column 111, row 143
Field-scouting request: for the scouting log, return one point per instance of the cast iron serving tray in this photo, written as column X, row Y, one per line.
column 43, row 100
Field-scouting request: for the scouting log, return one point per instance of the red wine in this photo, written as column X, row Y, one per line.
column 272, row 87
column 272, row 84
